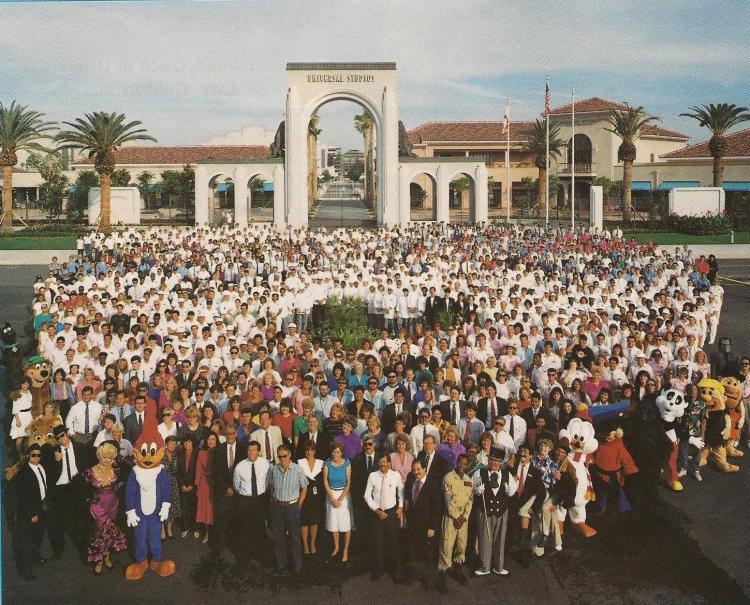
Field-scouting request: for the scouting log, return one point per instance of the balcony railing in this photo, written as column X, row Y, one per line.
column 580, row 168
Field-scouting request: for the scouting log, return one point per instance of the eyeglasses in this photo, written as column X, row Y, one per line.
column 513, row 407
column 35, row 455
column 369, row 444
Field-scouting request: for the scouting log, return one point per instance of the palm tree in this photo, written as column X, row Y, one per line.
column 628, row 125
column 364, row 123
column 312, row 161
column 20, row 129
column 101, row 134
column 537, row 144
column 718, row 119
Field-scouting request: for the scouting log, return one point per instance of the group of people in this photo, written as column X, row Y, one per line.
column 434, row 441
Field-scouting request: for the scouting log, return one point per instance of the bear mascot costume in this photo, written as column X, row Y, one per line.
column 148, row 496
column 579, row 437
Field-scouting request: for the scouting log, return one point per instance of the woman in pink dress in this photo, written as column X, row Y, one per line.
column 103, row 480
column 204, row 479
column 401, row 459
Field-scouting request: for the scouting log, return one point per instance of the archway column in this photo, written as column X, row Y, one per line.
column 442, row 214
column 279, row 214
column 404, row 196
column 202, row 192
column 240, row 197
column 481, row 194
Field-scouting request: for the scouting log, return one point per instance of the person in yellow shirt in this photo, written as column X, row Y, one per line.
column 457, row 492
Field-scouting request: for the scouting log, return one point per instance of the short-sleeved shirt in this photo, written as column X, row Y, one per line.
column 288, row 484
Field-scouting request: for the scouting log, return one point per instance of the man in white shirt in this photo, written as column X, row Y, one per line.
column 384, row 495
column 515, row 425
column 249, row 481
column 269, row 437
column 502, row 438
column 420, row 431
column 83, row 417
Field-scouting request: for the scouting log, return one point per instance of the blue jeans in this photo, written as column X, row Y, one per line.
column 688, row 457
column 286, row 535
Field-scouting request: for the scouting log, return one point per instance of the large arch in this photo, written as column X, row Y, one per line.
column 371, row 85
column 462, row 198
column 260, row 205
column 423, row 197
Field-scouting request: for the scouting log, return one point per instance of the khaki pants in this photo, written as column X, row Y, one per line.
column 452, row 544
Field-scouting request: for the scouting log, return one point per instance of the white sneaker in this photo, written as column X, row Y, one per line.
column 500, row 572
column 681, row 473
column 479, row 572
column 196, row 534
column 558, row 548
column 697, row 476
column 183, row 534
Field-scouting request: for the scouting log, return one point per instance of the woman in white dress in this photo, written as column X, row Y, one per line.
column 22, row 416
column 337, row 480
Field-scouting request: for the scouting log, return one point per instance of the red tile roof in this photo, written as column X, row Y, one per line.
column 590, row 105
column 657, row 131
column 185, row 155
column 468, row 131
column 738, row 146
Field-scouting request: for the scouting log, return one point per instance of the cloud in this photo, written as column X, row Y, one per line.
column 247, row 135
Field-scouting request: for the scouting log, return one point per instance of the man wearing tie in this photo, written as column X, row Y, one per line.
column 420, row 431
column 68, row 492
column 268, row 436
column 453, row 409
column 424, row 509
column 435, row 466
column 392, row 410
column 493, row 487
column 515, row 425
column 225, row 459
column 530, row 490
column 363, row 464
column 384, row 495
column 31, row 513
column 133, row 424
column 249, row 483
column 313, row 435
column 83, row 418
column 490, row 407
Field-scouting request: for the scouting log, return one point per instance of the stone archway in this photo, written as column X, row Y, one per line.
column 371, row 85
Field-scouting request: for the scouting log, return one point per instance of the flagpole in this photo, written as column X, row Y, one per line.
column 546, row 176
column 573, row 163
column 507, row 155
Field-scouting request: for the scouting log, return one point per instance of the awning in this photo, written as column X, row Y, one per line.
column 736, row 185
column 72, row 189
column 154, row 188
column 667, row 185
column 641, row 186
column 225, row 187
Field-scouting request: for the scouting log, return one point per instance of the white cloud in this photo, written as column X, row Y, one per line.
column 248, row 135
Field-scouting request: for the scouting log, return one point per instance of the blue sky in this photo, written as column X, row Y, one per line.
column 199, row 72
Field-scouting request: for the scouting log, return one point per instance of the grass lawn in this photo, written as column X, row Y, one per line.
column 63, row 242
column 677, row 239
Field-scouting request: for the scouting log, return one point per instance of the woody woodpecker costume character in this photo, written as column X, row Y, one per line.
column 147, row 500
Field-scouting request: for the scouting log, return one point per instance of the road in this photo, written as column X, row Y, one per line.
column 689, row 549
column 341, row 213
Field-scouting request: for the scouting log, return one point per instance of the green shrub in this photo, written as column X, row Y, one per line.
column 699, row 225
column 346, row 321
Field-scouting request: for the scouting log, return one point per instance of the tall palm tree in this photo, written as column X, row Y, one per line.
column 537, row 144
column 312, row 161
column 628, row 125
column 718, row 119
column 365, row 123
column 20, row 129
column 100, row 134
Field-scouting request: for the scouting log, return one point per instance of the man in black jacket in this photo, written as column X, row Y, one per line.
column 363, row 464
column 490, row 407
column 392, row 411
column 530, row 493
column 31, row 513
column 226, row 457
column 435, row 465
column 433, row 306
column 314, row 434
column 424, row 513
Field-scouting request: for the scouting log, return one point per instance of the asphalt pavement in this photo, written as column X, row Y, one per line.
column 690, row 548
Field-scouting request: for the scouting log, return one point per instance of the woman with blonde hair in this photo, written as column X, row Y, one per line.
column 102, row 478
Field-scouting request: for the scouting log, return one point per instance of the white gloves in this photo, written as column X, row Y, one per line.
column 672, row 435
column 132, row 518
column 697, row 442
column 164, row 512
column 479, row 489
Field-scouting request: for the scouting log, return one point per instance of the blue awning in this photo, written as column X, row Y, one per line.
column 225, row 187
column 72, row 189
column 736, row 185
column 267, row 186
column 641, row 186
column 667, row 185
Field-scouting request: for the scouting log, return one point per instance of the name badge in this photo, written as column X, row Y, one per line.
column 468, row 484
column 315, row 490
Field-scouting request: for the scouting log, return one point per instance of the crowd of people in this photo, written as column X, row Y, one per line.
column 430, row 443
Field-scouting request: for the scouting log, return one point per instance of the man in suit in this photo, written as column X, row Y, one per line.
column 392, row 410
column 268, row 436
column 435, row 465
column 32, row 490
column 133, row 424
column 453, row 409
column 185, row 377
column 316, row 436
column 225, row 458
column 530, row 414
column 68, row 512
column 530, row 492
column 409, row 361
column 490, row 407
column 433, row 306
column 424, row 512
column 363, row 464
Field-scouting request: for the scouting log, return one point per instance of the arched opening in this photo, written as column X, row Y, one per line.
column 342, row 167
column 461, row 199
column 260, row 192
column 583, row 150
column 423, row 197
column 221, row 200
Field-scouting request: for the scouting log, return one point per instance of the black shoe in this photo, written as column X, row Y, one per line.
column 440, row 584
column 376, row 575
column 43, row 561
column 458, row 575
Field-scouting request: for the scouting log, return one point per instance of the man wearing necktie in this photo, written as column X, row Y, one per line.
column 133, row 424
column 249, row 483
column 225, row 460
column 31, row 513
column 423, row 510
column 83, row 417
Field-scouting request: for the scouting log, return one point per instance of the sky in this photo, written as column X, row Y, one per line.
column 214, row 72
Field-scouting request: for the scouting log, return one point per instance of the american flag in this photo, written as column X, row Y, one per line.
column 547, row 99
